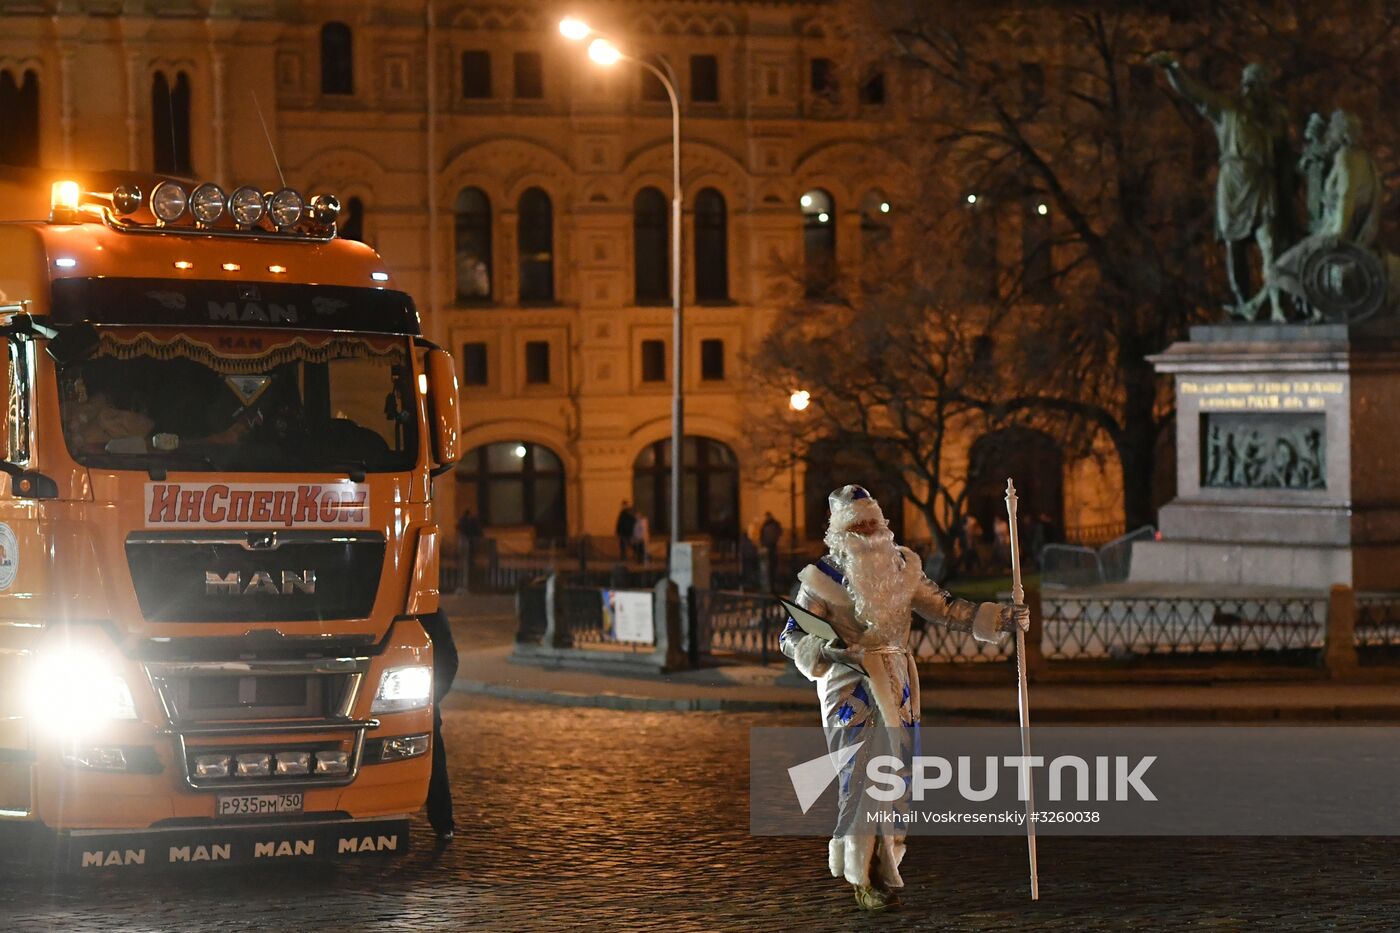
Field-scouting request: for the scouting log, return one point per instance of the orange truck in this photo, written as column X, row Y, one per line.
column 217, row 531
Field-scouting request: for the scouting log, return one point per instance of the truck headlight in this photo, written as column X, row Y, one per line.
column 73, row 689
column 404, row 688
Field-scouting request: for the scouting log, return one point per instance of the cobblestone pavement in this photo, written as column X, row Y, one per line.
column 641, row 824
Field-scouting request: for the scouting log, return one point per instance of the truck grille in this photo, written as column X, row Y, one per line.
column 264, row 709
column 255, row 577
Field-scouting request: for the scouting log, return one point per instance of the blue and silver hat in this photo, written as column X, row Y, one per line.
column 851, row 505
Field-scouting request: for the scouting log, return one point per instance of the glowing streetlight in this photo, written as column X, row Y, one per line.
column 603, row 52
column 574, row 29
column 797, row 402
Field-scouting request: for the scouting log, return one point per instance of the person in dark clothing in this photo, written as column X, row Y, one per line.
column 469, row 532
column 770, row 535
column 626, row 525
column 439, row 629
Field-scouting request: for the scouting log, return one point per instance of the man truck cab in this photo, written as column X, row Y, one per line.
column 217, row 532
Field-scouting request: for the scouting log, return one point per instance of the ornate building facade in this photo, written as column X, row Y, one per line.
column 522, row 194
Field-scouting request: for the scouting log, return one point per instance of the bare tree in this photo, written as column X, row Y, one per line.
column 893, row 373
column 1054, row 112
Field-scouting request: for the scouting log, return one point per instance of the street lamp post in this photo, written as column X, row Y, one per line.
column 797, row 402
column 603, row 52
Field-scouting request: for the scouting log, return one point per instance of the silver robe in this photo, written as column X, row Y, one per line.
column 885, row 695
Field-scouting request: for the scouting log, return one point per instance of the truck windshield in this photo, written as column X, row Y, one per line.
column 217, row 400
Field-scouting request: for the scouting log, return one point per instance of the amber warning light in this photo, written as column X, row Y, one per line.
column 63, row 203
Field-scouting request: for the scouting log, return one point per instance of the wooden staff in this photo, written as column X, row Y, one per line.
column 1023, row 703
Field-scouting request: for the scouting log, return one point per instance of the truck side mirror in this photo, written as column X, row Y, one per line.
column 74, row 343
column 444, row 413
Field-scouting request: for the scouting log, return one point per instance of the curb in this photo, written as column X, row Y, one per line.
column 632, row 702
column 625, row 701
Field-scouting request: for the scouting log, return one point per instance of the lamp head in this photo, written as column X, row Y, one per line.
column 574, row 29
column 604, row 52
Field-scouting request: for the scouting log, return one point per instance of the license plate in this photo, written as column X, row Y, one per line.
column 259, row 804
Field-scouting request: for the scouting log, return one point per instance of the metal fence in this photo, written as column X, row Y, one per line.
column 1121, row 628
column 1070, row 565
column 934, row 644
column 1378, row 621
column 1073, row 629
column 737, row 623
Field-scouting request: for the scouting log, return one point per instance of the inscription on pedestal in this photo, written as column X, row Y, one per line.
column 1261, row 394
column 1263, row 451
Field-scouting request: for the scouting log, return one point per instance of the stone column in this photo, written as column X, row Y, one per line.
column 666, row 616
column 1339, row 651
column 556, row 628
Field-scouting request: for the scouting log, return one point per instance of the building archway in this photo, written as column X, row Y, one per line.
column 1033, row 460
column 709, row 488
column 513, row 483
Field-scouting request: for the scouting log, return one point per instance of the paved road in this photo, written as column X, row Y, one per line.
column 641, row 824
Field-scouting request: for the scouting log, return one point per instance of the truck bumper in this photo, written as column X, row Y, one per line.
column 177, row 848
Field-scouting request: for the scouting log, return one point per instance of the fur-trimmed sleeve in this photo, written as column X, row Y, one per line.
column 984, row 620
column 805, row 650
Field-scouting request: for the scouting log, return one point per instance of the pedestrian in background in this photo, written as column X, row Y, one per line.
column 641, row 536
column 468, row 534
column 626, row 524
column 770, row 536
column 439, row 629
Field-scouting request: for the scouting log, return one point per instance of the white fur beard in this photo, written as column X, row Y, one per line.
column 875, row 578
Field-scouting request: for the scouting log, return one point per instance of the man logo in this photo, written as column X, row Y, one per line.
column 811, row 778
column 261, row 582
column 367, row 844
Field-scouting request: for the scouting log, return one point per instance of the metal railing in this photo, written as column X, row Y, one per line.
column 1378, row 621
column 1121, row 628
column 1073, row 629
column 1071, row 565
column 742, row 624
column 934, row 644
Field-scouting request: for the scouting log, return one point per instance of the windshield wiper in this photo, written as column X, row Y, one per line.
column 355, row 469
column 157, row 469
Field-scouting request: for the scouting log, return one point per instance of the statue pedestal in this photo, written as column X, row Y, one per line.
column 1288, row 458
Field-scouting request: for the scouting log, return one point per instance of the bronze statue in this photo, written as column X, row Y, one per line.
column 1253, row 191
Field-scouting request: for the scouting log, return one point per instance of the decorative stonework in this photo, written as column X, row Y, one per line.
column 1263, row 451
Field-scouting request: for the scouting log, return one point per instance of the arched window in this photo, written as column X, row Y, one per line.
column 170, row 123
column 535, row 239
column 818, row 242
column 19, row 115
column 709, row 488
column 473, row 245
column 874, row 225
column 514, row 483
column 649, row 241
column 353, row 227
column 1018, row 452
column 711, row 247
column 337, row 59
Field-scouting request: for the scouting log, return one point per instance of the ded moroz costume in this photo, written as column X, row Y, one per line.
column 871, row 586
